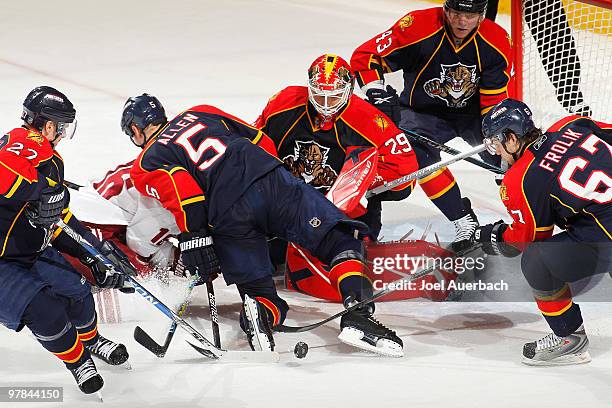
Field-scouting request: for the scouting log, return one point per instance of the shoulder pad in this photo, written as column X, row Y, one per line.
column 290, row 97
column 368, row 121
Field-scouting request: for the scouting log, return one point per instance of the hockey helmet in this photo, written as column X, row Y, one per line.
column 467, row 6
column 143, row 110
column 45, row 103
column 330, row 84
column 509, row 115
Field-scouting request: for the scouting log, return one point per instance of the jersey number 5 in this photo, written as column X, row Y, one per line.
column 196, row 153
column 590, row 190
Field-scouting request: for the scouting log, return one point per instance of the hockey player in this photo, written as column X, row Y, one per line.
column 456, row 66
column 562, row 177
column 38, row 287
column 203, row 166
column 141, row 227
column 315, row 128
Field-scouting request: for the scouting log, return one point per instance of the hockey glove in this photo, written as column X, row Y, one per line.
column 492, row 240
column 113, row 277
column 386, row 101
column 198, row 256
column 47, row 210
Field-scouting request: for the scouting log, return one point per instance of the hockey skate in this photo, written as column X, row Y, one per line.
column 553, row 350
column 464, row 228
column 112, row 353
column 87, row 377
column 360, row 329
column 257, row 325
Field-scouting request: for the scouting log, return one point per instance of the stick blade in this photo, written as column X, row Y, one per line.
column 203, row 351
column 147, row 342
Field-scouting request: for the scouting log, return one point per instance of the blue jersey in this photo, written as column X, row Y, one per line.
column 200, row 163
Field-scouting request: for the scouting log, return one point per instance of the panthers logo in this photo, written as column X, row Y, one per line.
column 381, row 122
column 308, row 163
column 406, row 22
column 36, row 137
column 457, row 84
column 503, row 192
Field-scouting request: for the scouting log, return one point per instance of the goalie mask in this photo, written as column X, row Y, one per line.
column 330, row 84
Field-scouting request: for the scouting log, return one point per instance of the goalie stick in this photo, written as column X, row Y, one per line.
column 447, row 149
column 420, row 173
column 207, row 348
column 390, row 287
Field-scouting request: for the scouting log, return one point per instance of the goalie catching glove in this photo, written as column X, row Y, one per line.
column 109, row 277
column 198, row 256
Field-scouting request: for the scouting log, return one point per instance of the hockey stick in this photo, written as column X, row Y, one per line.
column 147, row 341
column 420, row 173
column 212, row 304
column 447, row 149
column 208, row 349
column 72, row 186
column 214, row 316
column 395, row 285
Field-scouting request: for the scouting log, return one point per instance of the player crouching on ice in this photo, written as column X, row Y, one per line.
column 560, row 177
column 226, row 194
column 38, row 287
column 342, row 146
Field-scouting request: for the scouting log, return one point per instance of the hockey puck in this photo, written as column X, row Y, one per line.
column 301, row 349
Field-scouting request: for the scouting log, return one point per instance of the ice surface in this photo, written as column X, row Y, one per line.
column 235, row 55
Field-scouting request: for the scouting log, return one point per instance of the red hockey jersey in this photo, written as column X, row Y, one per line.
column 317, row 155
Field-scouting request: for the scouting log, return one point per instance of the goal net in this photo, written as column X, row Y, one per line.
column 563, row 58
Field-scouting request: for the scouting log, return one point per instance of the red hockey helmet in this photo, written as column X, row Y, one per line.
column 330, row 84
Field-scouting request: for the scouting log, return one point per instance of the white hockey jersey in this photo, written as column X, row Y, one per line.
column 114, row 201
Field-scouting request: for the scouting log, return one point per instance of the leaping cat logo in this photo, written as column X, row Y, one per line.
column 308, row 163
column 457, row 84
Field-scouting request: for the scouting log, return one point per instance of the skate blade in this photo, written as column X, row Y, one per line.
column 387, row 348
column 261, row 343
column 579, row 358
column 126, row 365
column 99, row 395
